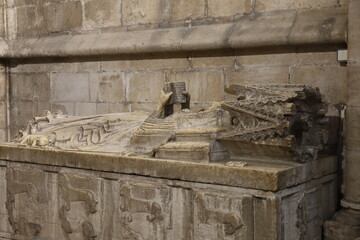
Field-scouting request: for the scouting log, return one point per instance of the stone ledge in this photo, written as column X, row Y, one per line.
column 288, row 28
column 272, row 177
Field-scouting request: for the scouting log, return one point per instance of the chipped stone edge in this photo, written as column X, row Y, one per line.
column 193, row 38
column 255, row 178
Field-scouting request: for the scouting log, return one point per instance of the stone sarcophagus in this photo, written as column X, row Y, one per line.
column 254, row 166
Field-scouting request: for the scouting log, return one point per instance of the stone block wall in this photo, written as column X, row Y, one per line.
column 121, row 84
column 40, row 18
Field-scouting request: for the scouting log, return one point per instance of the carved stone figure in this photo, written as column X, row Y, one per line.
column 230, row 221
column 283, row 122
column 70, row 194
column 26, row 182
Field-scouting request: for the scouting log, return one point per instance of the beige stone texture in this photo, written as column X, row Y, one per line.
column 140, row 11
column 3, row 138
column 100, row 14
column 30, row 20
column 2, row 86
column 308, row 57
column 228, row 7
column 70, row 87
column 21, row 112
column 88, row 66
column 146, row 63
column 203, row 86
column 144, row 86
column 354, row 32
column 2, row 23
column 328, row 26
column 3, row 114
column 109, row 87
column 331, row 80
column 352, row 128
column 200, row 38
column 147, row 107
column 64, row 107
column 351, row 172
column 43, row 106
column 63, row 16
column 353, row 84
column 262, row 30
column 210, row 60
column 269, row 30
column 258, row 75
column 273, row 5
column 104, row 108
column 106, row 201
column 265, row 58
column 85, row 108
column 183, row 10
column 30, row 86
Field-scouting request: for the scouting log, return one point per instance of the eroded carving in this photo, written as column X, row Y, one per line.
column 70, row 194
column 16, row 186
column 230, row 221
column 131, row 205
column 286, row 122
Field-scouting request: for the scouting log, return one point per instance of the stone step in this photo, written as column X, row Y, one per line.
column 185, row 151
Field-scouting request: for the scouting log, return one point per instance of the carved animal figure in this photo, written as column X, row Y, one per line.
column 70, row 194
column 231, row 222
column 132, row 205
column 21, row 226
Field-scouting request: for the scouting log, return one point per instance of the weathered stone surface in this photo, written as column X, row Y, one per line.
column 328, row 27
column 70, row 86
column 65, row 107
column 110, row 87
column 272, row 5
column 102, row 14
column 181, row 9
column 147, row 63
column 140, row 11
column 203, row 85
column 63, row 16
column 3, row 124
column 265, row 58
column 2, row 86
column 250, row 31
column 353, row 135
column 353, row 98
column 30, row 20
column 344, row 225
column 307, row 57
column 30, row 86
column 116, row 205
column 21, row 112
column 211, row 60
column 331, row 80
column 85, row 108
column 200, row 38
column 104, row 108
column 144, row 86
column 351, row 176
column 228, row 7
column 268, row 30
column 354, row 33
column 258, row 75
column 3, row 136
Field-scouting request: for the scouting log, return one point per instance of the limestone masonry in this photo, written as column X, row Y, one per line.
column 245, row 148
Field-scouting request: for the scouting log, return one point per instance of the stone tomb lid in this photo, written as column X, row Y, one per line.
column 246, row 174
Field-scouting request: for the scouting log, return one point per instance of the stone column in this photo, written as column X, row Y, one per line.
column 346, row 222
column 3, row 105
